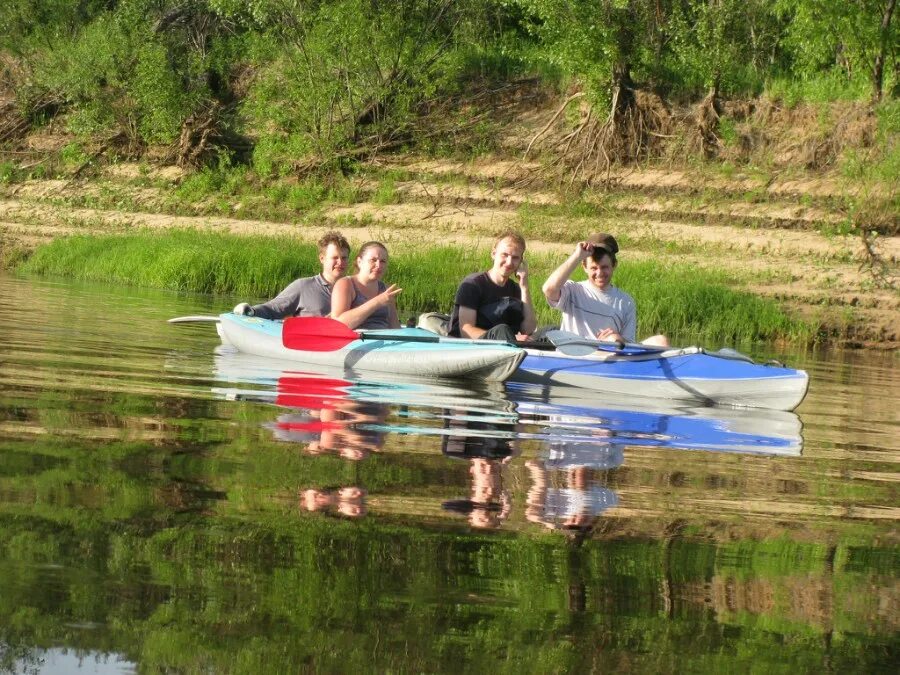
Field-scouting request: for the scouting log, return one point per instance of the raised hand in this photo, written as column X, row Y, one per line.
column 583, row 250
column 522, row 272
column 387, row 296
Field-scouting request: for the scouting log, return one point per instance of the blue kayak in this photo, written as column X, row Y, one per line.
column 685, row 374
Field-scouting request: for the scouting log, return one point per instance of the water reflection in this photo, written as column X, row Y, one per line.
column 574, row 506
column 566, row 491
column 351, row 415
column 487, row 447
column 571, row 441
column 149, row 510
column 580, row 417
column 347, row 501
column 326, row 419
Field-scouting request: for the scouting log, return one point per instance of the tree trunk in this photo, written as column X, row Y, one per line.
column 878, row 67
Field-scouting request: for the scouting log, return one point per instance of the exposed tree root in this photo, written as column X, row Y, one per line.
column 708, row 114
column 631, row 131
column 199, row 137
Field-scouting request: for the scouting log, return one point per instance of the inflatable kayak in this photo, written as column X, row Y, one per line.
column 402, row 351
column 684, row 374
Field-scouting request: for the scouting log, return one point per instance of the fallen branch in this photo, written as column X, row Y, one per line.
column 549, row 124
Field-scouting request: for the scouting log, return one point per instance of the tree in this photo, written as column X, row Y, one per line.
column 859, row 38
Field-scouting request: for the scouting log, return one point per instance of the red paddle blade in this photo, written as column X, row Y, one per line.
column 313, row 393
column 316, row 334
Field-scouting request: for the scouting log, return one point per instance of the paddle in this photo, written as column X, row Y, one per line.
column 321, row 334
column 575, row 345
column 197, row 318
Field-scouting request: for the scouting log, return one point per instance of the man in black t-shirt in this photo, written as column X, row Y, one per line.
column 490, row 304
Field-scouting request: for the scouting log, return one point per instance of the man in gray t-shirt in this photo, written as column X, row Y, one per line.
column 595, row 308
column 309, row 296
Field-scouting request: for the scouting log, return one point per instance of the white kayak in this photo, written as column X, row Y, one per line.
column 402, row 351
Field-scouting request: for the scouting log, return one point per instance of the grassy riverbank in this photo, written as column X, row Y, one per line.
column 676, row 299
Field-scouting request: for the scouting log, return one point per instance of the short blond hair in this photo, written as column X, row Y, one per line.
column 513, row 236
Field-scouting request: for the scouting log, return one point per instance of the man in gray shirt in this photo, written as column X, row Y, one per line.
column 594, row 308
column 309, row 296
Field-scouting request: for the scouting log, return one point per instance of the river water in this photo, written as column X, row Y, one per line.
column 166, row 505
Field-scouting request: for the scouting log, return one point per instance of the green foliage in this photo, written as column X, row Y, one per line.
column 73, row 155
column 27, row 24
column 137, row 66
column 342, row 73
column 318, row 85
column 9, row 172
column 722, row 43
column 587, row 39
column 821, row 35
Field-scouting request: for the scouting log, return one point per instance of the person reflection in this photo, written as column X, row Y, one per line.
column 575, row 506
column 327, row 419
column 487, row 447
column 345, row 501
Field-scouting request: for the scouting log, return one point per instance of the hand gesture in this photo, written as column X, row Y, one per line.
column 522, row 272
column 387, row 296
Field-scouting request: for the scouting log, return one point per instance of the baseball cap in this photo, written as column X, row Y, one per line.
column 604, row 241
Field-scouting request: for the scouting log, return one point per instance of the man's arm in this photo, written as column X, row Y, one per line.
column 552, row 288
column 467, row 327
column 282, row 305
column 529, row 319
column 629, row 325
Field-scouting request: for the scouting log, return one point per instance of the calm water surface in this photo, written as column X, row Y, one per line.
column 168, row 506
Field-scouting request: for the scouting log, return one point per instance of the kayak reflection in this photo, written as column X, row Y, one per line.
column 328, row 420
column 571, row 441
column 569, row 414
column 347, row 403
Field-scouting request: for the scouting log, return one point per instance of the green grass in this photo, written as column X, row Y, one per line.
column 824, row 88
column 678, row 300
column 240, row 191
